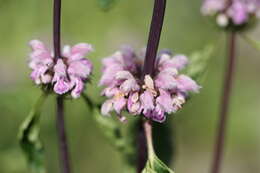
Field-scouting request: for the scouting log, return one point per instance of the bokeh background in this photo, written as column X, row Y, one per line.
column 185, row 31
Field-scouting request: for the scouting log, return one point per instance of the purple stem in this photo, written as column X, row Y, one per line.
column 148, row 69
column 229, row 76
column 154, row 36
column 56, row 28
column 63, row 144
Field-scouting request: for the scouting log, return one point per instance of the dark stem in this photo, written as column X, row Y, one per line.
column 63, row 145
column 141, row 148
column 154, row 36
column 56, row 28
column 229, row 76
column 148, row 69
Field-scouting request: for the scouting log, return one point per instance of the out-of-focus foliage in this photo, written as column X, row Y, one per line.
column 106, row 4
column 199, row 62
column 29, row 137
column 121, row 136
column 254, row 43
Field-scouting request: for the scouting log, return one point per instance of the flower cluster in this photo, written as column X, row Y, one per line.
column 231, row 12
column 66, row 74
column 153, row 96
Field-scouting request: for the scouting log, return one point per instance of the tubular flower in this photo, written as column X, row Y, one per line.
column 152, row 96
column 231, row 12
column 66, row 74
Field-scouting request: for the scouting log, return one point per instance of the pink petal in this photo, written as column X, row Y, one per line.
column 82, row 48
column 61, row 86
column 109, row 74
column 79, row 88
column 186, row 84
column 81, row 68
column 37, row 45
column 124, row 75
column 107, row 107
column 129, row 85
column 165, row 81
column 46, row 78
column 119, row 104
column 110, row 92
column 165, row 101
column 147, row 101
column 133, row 104
column 158, row 115
column 60, row 68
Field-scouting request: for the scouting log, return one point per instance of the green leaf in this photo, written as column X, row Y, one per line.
column 110, row 128
column 163, row 144
column 106, row 4
column 121, row 137
column 255, row 44
column 199, row 62
column 155, row 165
column 29, row 138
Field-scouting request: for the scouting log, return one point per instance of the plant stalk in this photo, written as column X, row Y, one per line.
column 154, row 36
column 149, row 136
column 145, row 132
column 225, row 101
column 63, row 144
column 60, row 122
column 56, row 28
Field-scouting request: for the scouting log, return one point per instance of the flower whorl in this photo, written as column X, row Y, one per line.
column 231, row 12
column 66, row 74
column 154, row 96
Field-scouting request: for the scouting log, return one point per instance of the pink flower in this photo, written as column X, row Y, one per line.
column 40, row 62
column 153, row 98
column 238, row 12
column 67, row 74
column 234, row 13
column 186, row 84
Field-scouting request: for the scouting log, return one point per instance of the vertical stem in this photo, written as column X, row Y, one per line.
column 154, row 36
column 56, row 28
column 63, row 144
column 149, row 137
column 229, row 76
column 141, row 148
column 148, row 69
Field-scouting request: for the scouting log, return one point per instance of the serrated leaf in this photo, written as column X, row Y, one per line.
column 106, row 4
column 29, row 138
column 199, row 63
column 254, row 43
column 155, row 165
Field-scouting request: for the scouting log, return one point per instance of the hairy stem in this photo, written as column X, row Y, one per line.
column 145, row 132
column 63, row 144
column 229, row 76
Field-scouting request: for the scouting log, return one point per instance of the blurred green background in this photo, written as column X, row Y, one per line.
column 185, row 31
